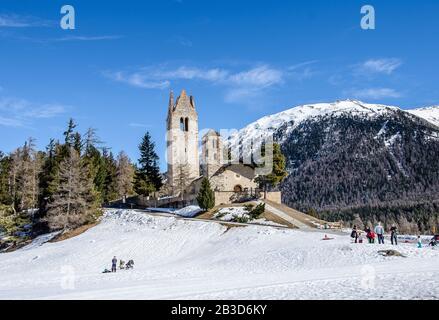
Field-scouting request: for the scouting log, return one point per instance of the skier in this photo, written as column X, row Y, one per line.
column 113, row 264
column 121, row 264
column 379, row 230
column 419, row 242
column 394, row 234
column 354, row 234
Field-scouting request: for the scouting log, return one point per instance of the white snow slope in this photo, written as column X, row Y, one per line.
column 431, row 114
column 177, row 259
column 293, row 117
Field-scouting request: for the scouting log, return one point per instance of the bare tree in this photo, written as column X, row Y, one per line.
column 124, row 176
column 74, row 202
column 183, row 180
column 24, row 176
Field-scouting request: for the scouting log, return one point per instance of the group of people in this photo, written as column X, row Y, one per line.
column 376, row 233
column 122, row 265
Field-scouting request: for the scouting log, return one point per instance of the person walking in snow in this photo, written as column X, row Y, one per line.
column 379, row 230
column 419, row 242
column 394, row 235
column 354, row 234
column 360, row 237
column 113, row 264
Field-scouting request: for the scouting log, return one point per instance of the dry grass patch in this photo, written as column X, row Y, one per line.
column 73, row 233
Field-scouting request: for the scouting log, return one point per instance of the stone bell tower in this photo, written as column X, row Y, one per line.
column 182, row 140
column 212, row 153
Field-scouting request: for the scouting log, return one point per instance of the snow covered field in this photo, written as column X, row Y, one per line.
column 178, row 259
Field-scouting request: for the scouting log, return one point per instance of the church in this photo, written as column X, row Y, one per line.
column 187, row 166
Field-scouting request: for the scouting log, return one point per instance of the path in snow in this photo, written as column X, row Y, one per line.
column 287, row 217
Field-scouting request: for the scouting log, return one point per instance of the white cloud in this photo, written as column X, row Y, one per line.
column 260, row 77
column 386, row 66
column 375, row 93
column 240, row 85
column 8, row 122
column 16, row 21
column 139, row 125
column 137, row 80
column 189, row 73
column 19, row 112
column 86, row 38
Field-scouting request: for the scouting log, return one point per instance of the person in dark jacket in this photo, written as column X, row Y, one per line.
column 354, row 234
column 113, row 264
column 394, row 235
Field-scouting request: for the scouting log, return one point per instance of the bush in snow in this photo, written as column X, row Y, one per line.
column 258, row 211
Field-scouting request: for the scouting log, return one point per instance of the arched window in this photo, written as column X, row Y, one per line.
column 181, row 124
column 186, row 124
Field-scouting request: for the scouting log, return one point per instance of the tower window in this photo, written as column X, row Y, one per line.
column 186, row 124
column 181, row 124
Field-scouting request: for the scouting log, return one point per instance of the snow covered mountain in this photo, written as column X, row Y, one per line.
column 352, row 160
column 431, row 114
column 291, row 118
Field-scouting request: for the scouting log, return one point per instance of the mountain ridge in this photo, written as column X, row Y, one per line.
column 354, row 161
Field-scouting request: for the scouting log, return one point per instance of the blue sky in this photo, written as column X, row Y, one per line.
column 240, row 59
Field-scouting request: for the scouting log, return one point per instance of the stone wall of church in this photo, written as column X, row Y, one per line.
column 234, row 176
column 274, row 196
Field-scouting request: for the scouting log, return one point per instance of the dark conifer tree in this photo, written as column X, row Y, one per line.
column 206, row 196
column 147, row 178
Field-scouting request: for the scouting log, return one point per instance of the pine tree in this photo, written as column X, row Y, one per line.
column 278, row 173
column 109, row 191
column 5, row 167
column 69, row 135
column 206, row 196
column 147, row 178
column 77, row 142
column 49, row 176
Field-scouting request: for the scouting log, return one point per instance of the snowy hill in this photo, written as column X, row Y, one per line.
column 176, row 259
column 431, row 114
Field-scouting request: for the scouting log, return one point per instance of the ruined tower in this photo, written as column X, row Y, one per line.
column 182, row 140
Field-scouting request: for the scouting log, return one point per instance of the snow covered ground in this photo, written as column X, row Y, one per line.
column 179, row 259
column 187, row 212
column 234, row 213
